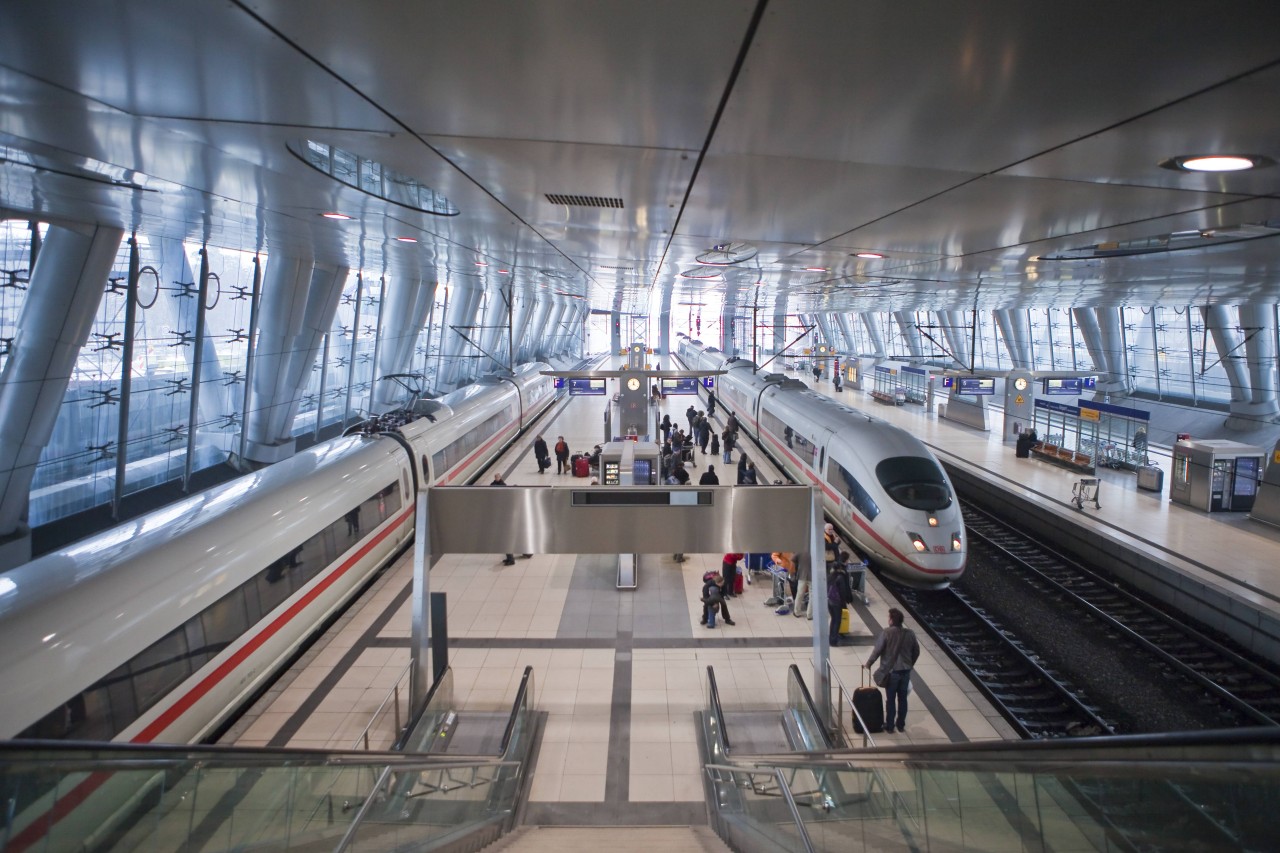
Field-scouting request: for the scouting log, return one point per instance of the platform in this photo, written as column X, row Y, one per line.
column 620, row 674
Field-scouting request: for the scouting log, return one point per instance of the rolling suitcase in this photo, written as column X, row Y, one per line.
column 582, row 467
column 868, row 703
column 737, row 584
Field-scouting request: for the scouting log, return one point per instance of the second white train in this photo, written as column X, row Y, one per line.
column 879, row 483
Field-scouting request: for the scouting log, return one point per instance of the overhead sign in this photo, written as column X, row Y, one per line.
column 1064, row 387
column 557, row 382
column 683, row 385
column 586, row 387
column 977, row 386
column 708, row 382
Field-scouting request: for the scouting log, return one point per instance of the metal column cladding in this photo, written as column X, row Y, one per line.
column 618, row 519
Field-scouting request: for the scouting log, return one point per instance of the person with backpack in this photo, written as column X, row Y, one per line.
column 898, row 649
column 540, row 453
column 839, row 595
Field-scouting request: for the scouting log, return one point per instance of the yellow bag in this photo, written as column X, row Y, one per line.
column 844, row 621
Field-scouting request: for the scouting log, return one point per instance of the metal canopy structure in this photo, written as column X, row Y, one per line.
column 616, row 520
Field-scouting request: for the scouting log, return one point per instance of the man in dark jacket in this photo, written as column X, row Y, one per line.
column 839, row 595
column 709, row 477
column 711, row 403
column 900, row 649
column 541, row 454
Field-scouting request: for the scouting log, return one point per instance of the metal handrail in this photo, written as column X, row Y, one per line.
column 416, row 716
column 794, row 672
column 716, row 708
column 526, row 688
column 392, row 695
column 783, row 787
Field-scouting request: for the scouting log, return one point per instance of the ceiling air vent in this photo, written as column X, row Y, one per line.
column 584, row 200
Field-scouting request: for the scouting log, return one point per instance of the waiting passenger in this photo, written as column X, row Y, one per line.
column 498, row 481
column 709, row 477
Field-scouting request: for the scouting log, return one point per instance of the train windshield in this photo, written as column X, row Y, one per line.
column 914, row 482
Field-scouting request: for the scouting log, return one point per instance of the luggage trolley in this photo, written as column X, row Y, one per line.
column 1085, row 491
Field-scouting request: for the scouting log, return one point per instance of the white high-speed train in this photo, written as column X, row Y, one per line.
column 879, row 483
column 159, row 629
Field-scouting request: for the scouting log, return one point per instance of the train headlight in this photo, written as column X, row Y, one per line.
column 955, row 542
column 918, row 541
column 933, row 521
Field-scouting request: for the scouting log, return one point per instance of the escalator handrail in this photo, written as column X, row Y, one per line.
column 787, row 796
column 416, row 716
column 794, row 672
column 526, row 687
column 716, row 708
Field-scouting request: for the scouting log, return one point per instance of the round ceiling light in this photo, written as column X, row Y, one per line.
column 1217, row 162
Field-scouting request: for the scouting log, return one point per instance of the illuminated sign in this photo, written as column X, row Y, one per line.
column 557, row 381
column 708, row 382
column 586, row 387
column 977, row 386
column 947, row 381
column 680, row 386
column 1064, row 387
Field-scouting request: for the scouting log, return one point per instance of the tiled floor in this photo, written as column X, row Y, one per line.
column 619, row 675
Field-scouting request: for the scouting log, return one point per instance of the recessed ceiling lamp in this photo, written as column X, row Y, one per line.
column 1217, row 162
column 815, row 269
column 332, row 215
column 505, row 272
column 481, row 264
column 870, row 256
column 406, row 239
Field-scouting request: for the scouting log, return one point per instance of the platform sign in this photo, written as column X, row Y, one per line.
column 682, row 385
column 918, row 371
column 1090, row 383
column 708, row 382
column 586, row 387
column 977, row 386
column 1063, row 387
column 557, row 382
column 948, row 381
column 1060, row 408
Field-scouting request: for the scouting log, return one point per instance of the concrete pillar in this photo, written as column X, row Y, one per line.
column 958, row 336
column 848, row 344
column 408, row 301
column 873, row 333
column 1259, row 324
column 521, row 316
column 464, row 301
column 493, row 336
column 664, row 326
column 65, row 291
column 1100, row 329
column 531, row 350
column 299, row 301
column 779, row 326
column 907, row 325
column 1016, row 332
column 1227, row 341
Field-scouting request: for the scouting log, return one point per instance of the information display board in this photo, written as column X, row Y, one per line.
column 977, row 386
column 1062, row 387
column 683, row 385
column 586, row 387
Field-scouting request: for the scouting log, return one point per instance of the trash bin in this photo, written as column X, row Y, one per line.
column 1151, row 478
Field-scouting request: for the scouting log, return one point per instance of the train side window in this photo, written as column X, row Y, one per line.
column 160, row 668
column 224, row 621
column 848, row 484
column 426, row 471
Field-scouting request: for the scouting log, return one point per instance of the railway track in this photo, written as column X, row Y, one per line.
column 1228, row 688
column 1036, row 701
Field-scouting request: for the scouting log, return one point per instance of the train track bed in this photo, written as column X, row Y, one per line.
column 1037, row 701
column 1146, row 670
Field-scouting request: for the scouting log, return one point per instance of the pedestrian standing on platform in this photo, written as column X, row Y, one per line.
column 711, row 403
column 727, row 441
column 691, row 415
column 830, row 544
column 704, row 433
column 899, row 649
column 541, row 454
column 709, row 477
column 715, row 443
column 817, row 372
column 562, row 456
column 666, row 428
column 839, row 596
column 729, row 571
column 498, row 481
column 742, row 468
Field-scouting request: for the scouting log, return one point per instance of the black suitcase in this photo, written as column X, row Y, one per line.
column 868, row 703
